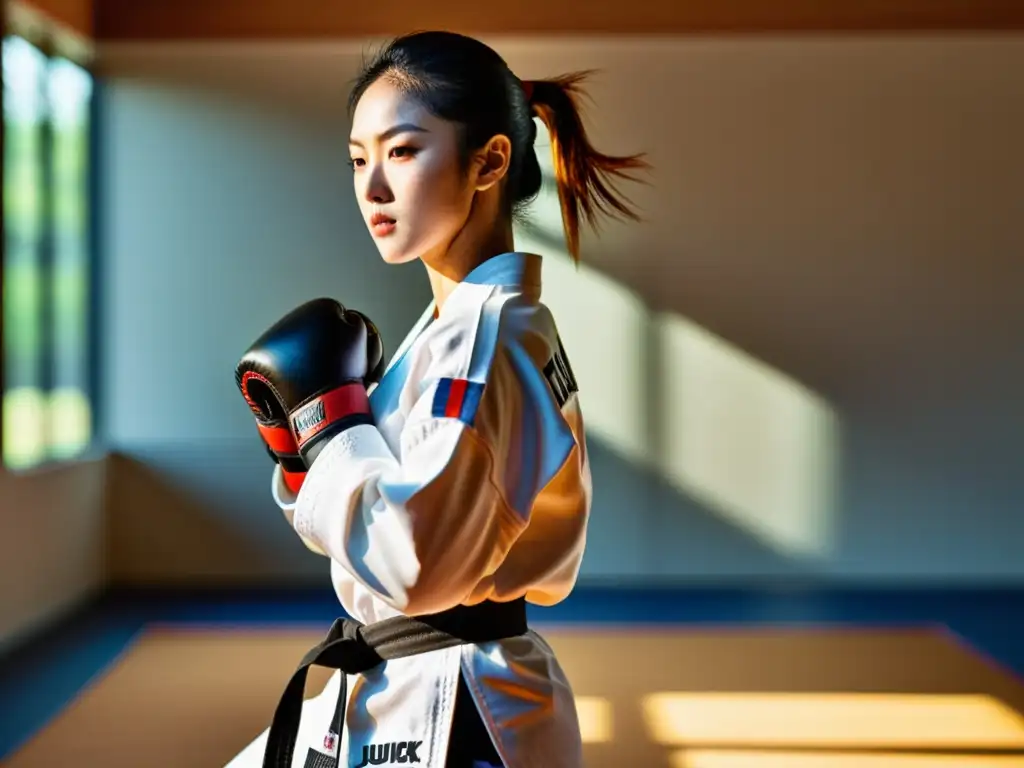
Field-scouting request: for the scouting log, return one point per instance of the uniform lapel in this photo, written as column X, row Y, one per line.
column 384, row 397
column 510, row 270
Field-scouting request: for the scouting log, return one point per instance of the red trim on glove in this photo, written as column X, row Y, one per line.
column 293, row 480
column 279, row 438
column 321, row 412
column 244, row 384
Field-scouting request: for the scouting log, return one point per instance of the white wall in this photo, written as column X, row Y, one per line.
column 52, row 544
column 804, row 363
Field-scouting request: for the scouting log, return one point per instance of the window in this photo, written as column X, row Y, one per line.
column 47, row 265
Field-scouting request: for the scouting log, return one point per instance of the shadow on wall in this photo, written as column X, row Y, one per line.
column 201, row 517
column 720, row 454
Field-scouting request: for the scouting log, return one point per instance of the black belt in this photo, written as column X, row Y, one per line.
column 354, row 648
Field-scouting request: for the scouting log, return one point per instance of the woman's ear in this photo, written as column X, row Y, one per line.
column 492, row 162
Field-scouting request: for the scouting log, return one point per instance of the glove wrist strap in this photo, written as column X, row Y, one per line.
column 347, row 403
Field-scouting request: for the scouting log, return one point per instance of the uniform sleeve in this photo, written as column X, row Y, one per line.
column 424, row 527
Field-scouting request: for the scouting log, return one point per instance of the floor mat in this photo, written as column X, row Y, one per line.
column 678, row 698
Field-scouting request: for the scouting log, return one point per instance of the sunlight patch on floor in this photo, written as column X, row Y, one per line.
column 595, row 716
column 834, row 720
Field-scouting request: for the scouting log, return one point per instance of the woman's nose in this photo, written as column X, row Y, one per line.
column 377, row 188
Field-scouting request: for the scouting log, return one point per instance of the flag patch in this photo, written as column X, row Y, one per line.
column 457, row 399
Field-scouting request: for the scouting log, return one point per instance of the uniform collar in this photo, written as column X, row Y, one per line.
column 512, row 270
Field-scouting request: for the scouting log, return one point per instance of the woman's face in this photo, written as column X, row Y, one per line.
column 413, row 193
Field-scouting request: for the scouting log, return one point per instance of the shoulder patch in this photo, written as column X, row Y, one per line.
column 457, row 399
column 560, row 376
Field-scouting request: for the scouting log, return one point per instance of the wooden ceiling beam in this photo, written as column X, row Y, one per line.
column 327, row 19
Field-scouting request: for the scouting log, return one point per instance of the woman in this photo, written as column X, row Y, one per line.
column 459, row 489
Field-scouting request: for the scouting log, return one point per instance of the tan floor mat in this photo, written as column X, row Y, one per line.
column 192, row 698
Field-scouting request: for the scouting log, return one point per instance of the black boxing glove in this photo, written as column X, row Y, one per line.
column 374, row 350
column 272, row 423
column 309, row 372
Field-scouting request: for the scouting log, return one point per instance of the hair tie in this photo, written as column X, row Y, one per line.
column 527, row 86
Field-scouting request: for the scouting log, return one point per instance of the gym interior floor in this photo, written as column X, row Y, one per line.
column 697, row 678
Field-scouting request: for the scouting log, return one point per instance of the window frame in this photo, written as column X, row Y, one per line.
column 55, row 40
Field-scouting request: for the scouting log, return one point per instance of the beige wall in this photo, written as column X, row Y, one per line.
column 829, row 274
column 52, row 534
column 801, row 365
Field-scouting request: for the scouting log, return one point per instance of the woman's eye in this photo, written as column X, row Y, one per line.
column 357, row 162
column 402, row 152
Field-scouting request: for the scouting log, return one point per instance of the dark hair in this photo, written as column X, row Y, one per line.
column 464, row 81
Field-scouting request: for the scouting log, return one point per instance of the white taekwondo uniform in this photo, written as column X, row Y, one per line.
column 473, row 485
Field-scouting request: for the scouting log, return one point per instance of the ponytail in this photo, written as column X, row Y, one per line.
column 586, row 178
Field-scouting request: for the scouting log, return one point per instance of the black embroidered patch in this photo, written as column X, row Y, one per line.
column 560, row 376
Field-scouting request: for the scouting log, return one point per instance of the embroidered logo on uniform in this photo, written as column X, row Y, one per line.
column 329, row 741
column 457, row 399
column 402, row 752
column 560, row 377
